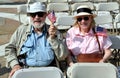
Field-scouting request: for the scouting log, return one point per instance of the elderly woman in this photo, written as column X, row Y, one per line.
column 85, row 41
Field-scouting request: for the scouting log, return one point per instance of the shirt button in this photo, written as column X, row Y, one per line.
column 23, row 39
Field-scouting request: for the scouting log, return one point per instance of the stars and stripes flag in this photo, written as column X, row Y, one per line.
column 101, row 31
column 52, row 17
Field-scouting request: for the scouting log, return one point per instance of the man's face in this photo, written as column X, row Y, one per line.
column 38, row 19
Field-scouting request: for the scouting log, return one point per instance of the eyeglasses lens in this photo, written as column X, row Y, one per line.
column 83, row 18
column 40, row 14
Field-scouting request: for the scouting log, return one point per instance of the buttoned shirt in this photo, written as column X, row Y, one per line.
column 39, row 52
column 78, row 43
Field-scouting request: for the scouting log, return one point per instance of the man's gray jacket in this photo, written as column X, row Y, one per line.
column 12, row 50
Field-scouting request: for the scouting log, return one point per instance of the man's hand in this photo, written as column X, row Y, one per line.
column 14, row 69
column 52, row 31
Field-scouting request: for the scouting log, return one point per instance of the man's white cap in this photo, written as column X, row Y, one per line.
column 36, row 7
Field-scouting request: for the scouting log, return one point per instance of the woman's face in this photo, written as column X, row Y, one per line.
column 84, row 22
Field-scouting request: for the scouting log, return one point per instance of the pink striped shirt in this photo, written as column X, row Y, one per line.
column 78, row 43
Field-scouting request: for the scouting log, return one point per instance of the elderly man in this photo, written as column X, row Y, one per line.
column 36, row 42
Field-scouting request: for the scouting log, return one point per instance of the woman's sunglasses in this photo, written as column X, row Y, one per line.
column 86, row 18
column 39, row 14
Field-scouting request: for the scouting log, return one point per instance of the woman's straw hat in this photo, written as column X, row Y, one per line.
column 84, row 10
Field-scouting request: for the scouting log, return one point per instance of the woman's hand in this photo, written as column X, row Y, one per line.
column 101, row 61
column 106, row 56
column 14, row 69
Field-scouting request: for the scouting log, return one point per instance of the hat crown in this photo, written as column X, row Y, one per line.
column 83, row 6
column 84, row 10
column 36, row 7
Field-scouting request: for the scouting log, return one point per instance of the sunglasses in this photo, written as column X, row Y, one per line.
column 86, row 18
column 39, row 14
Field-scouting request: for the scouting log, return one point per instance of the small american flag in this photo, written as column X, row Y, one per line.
column 52, row 17
column 101, row 31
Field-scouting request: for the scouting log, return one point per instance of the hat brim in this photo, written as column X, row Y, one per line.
column 35, row 11
column 84, row 13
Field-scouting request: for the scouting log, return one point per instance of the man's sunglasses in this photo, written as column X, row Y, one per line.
column 39, row 14
column 86, row 18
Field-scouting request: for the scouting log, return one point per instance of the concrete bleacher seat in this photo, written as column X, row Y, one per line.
column 77, row 1
column 115, row 41
column 22, row 13
column 22, row 9
column 57, row 1
column 65, row 22
column 118, row 71
column 9, row 16
column 117, row 23
column 60, row 9
column 12, row 1
column 12, row 15
column 31, row 1
column 115, row 58
column 99, row 1
column 112, row 7
column 42, row 72
column 6, row 1
column 105, row 21
column 108, row 8
column 92, row 70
